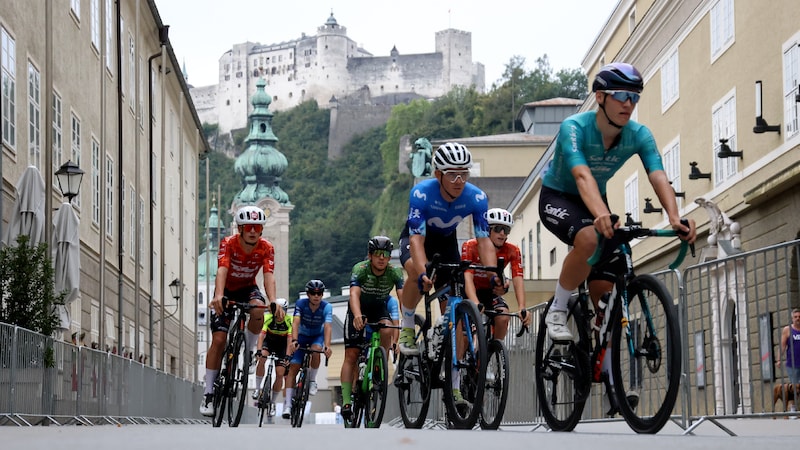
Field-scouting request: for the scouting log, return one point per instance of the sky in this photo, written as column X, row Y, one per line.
column 202, row 30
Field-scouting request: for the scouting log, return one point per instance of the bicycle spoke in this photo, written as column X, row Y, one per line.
column 495, row 391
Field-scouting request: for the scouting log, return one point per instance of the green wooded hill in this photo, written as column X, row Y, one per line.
column 340, row 204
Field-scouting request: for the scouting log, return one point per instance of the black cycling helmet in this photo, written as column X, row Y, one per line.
column 315, row 287
column 380, row 243
column 618, row 77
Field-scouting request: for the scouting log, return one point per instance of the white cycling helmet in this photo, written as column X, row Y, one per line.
column 452, row 156
column 499, row 216
column 282, row 302
column 250, row 215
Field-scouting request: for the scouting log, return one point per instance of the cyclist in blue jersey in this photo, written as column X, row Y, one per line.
column 371, row 283
column 311, row 325
column 590, row 148
column 436, row 207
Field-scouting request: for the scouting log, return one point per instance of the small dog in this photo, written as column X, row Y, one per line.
column 784, row 392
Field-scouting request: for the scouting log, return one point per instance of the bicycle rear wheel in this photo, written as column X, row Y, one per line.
column 376, row 397
column 357, row 412
column 265, row 396
column 563, row 373
column 646, row 365
column 470, row 369
column 240, row 370
column 220, row 388
column 413, row 382
column 495, row 393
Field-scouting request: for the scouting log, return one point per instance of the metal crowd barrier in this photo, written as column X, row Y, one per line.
column 44, row 381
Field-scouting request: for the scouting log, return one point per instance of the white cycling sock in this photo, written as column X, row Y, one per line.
column 211, row 375
column 312, row 374
column 258, row 381
column 250, row 339
column 408, row 317
column 561, row 300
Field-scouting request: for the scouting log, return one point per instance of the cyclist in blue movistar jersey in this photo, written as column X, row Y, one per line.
column 436, row 207
column 590, row 148
column 311, row 325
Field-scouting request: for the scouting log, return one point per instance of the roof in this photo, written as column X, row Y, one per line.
column 500, row 190
column 508, row 139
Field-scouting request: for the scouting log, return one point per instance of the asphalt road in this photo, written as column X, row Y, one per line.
column 750, row 434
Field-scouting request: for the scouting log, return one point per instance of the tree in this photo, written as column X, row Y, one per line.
column 27, row 286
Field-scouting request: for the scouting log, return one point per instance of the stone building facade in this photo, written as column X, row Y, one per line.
column 330, row 66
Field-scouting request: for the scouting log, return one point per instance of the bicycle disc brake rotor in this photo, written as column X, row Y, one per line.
column 651, row 348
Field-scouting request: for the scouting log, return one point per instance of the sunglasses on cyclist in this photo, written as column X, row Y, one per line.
column 314, row 293
column 624, row 96
column 501, row 229
column 382, row 253
column 252, row 227
column 455, row 176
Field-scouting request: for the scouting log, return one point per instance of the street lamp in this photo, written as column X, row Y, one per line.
column 69, row 177
column 175, row 288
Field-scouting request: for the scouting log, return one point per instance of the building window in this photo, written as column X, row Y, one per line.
column 95, row 182
column 109, row 36
column 723, row 126
column 132, row 221
column 58, row 149
column 75, row 7
column 8, row 66
column 94, row 11
column 34, row 117
column 669, row 81
column 632, row 196
column 672, row 166
column 75, row 139
column 791, row 85
column 722, row 27
column 109, row 196
column 553, row 259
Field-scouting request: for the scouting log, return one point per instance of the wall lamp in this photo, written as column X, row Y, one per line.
column 695, row 174
column 725, row 150
column 629, row 222
column 677, row 194
column 761, row 124
column 648, row 207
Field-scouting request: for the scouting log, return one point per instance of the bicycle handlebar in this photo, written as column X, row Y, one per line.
column 462, row 266
column 492, row 313
column 624, row 235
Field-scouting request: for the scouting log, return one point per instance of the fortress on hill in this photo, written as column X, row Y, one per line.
column 333, row 70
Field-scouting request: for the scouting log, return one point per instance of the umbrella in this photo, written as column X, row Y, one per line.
column 66, row 259
column 28, row 213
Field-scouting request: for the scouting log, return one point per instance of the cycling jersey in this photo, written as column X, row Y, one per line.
column 312, row 322
column 243, row 267
column 580, row 143
column 375, row 288
column 429, row 211
column 272, row 327
column 510, row 253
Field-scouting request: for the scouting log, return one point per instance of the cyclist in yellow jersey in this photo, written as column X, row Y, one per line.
column 274, row 339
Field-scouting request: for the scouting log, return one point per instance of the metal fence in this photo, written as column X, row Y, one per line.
column 731, row 311
column 47, row 381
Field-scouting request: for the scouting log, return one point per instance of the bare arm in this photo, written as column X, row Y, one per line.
column 519, row 293
column 355, row 307
column 590, row 194
column 219, row 290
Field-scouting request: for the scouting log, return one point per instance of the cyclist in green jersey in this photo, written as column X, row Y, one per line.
column 371, row 284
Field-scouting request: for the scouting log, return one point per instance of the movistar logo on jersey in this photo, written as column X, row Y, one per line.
column 480, row 196
column 414, row 213
column 439, row 223
column 556, row 212
column 420, row 194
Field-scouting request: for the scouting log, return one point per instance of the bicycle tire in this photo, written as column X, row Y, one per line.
column 495, row 393
column 376, row 397
column 413, row 383
column 653, row 369
column 240, row 369
column 220, row 387
column 357, row 413
column 265, row 396
column 300, row 399
column 471, row 369
column 563, row 373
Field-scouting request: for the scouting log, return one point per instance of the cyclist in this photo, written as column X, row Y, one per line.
column 274, row 339
column 436, row 207
column 371, row 283
column 590, row 148
column 240, row 258
column 478, row 284
column 311, row 325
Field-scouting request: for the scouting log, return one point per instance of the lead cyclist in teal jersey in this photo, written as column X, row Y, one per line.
column 590, row 148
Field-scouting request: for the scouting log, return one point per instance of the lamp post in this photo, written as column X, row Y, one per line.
column 175, row 289
column 69, row 177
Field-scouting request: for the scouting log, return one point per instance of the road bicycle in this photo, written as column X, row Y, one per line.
column 642, row 321
column 495, row 391
column 302, row 387
column 230, row 385
column 264, row 402
column 452, row 353
column 371, row 385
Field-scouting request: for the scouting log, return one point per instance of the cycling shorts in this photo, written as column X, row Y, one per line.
column 245, row 295
column 354, row 338
column 304, row 340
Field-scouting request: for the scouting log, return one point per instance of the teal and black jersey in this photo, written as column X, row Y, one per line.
column 375, row 288
column 580, row 143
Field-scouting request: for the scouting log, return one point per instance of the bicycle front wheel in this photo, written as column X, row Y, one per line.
column 220, row 388
column 495, row 393
column 413, row 382
column 646, row 362
column 299, row 401
column 240, row 370
column 265, row 396
column 563, row 373
column 468, row 371
column 357, row 412
column 376, row 397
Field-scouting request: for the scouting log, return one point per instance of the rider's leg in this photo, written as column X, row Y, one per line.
column 501, row 324
column 348, row 374
column 214, row 359
column 255, row 324
column 574, row 270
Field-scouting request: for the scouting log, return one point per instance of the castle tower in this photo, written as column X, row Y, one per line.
column 456, row 49
column 261, row 166
column 333, row 52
